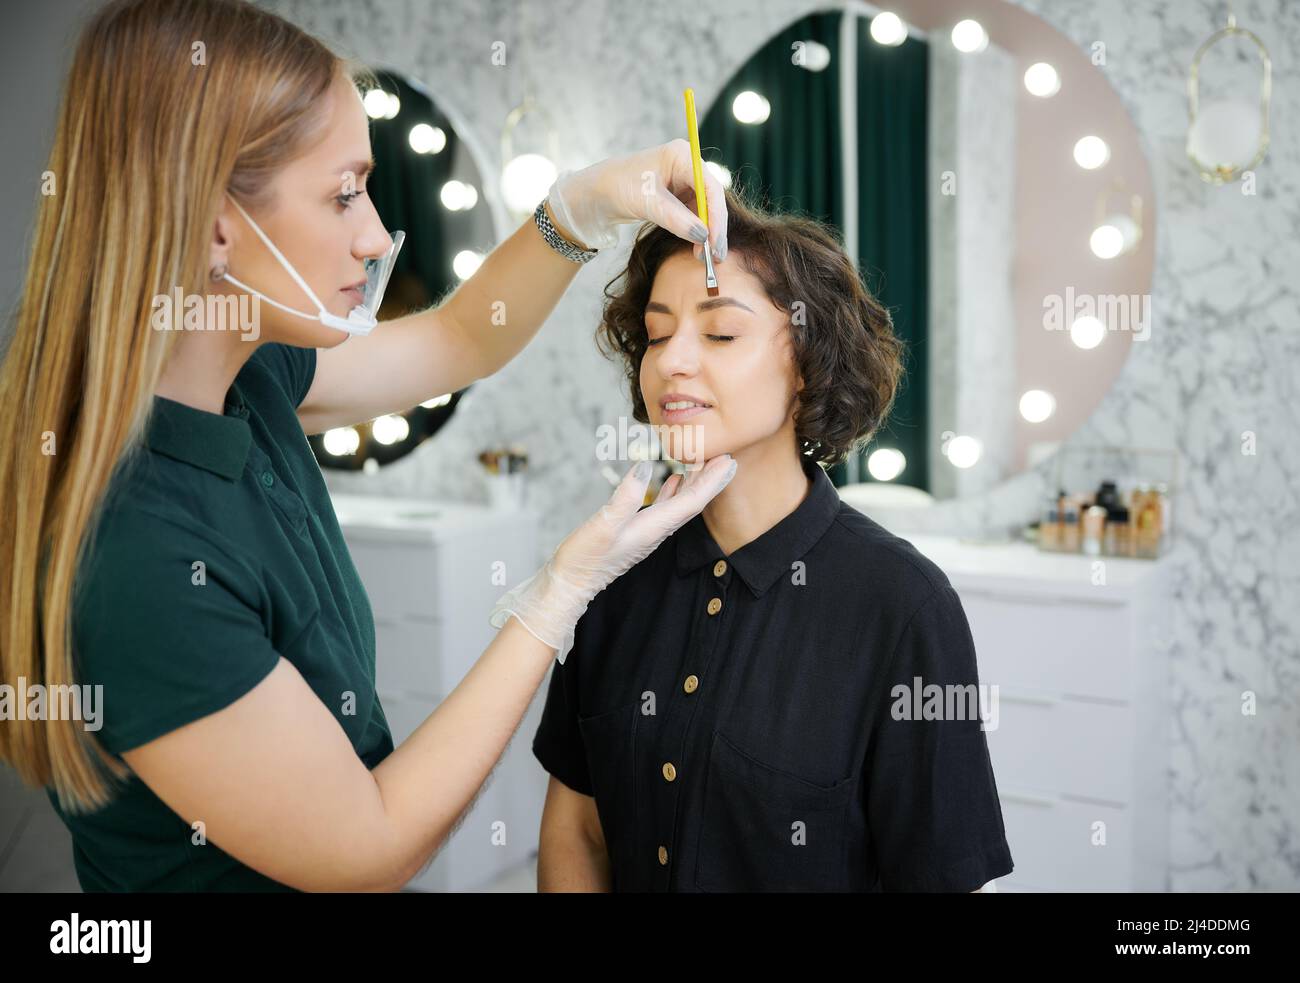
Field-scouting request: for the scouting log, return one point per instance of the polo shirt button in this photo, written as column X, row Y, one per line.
column 663, row 856
column 268, row 479
column 715, row 605
column 669, row 771
column 692, row 684
column 719, row 568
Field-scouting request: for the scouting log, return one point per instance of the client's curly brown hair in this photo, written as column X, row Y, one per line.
column 845, row 349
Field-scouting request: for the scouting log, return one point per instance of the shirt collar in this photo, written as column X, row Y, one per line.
column 759, row 563
column 216, row 442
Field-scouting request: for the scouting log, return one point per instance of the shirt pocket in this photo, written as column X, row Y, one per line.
column 609, row 740
column 750, row 834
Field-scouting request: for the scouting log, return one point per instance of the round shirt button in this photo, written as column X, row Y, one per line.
column 268, row 479
column 663, row 856
column 719, row 568
column 669, row 771
column 691, row 684
column 715, row 605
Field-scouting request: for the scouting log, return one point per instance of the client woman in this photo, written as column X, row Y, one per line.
column 735, row 713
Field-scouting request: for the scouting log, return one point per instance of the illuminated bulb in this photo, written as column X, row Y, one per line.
column 963, row 451
column 394, row 106
column 1041, row 80
column 750, row 107
column 887, row 28
column 969, row 36
column 525, row 181
column 1087, row 332
column 390, row 429
column 1106, row 242
column 886, row 463
column 465, row 263
column 1129, row 233
column 426, row 139
column 816, row 56
column 342, row 441
column 433, row 404
column 1091, row 152
column 457, row 196
column 376, row 103
column 1036, row 405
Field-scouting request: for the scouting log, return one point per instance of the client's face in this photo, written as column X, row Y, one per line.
column 718, row 374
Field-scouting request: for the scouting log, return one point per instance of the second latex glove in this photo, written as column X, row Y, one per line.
column 649, row 185
column 606, row 546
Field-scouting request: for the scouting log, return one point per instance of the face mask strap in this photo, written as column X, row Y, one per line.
column 274, row 303
column 280, row 257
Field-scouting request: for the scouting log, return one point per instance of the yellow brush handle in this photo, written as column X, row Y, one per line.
column 697, row 162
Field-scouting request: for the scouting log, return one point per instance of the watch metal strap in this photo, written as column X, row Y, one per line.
column 569, row 250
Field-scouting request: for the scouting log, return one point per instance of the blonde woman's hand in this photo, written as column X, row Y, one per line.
column 651, row 185
column 616, row 538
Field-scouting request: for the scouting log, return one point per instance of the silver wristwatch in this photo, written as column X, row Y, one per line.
column 567, row 249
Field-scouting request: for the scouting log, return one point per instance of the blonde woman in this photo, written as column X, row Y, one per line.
column 167, row 534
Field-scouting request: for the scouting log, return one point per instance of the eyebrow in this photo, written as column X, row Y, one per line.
column 654, row 307
column 360, row 167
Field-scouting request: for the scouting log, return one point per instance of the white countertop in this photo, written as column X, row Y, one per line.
column 1023, row 568
column 412, row 519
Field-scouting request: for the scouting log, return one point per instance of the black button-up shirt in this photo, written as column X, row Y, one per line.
column 737, row 717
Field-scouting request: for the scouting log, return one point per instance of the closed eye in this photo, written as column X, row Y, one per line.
column 345, row 200
column 712, row 337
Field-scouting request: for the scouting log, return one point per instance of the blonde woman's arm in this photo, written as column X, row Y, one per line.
column 497, row 311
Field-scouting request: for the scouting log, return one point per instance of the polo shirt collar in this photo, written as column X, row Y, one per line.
column 761, row 562
column 216, row 443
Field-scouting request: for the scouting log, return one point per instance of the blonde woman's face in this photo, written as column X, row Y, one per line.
column 731, row 352
column 322, row 220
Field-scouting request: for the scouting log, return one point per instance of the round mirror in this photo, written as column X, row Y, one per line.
column 427, row 182
column 993, row 190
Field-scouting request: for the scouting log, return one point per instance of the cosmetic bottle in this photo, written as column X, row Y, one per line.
column 1049, row 527
column 1108, row 496
column 1094, row 524
column 1070, row 530
column 1148, row 523
column 1166, row 514
column 1118, row 540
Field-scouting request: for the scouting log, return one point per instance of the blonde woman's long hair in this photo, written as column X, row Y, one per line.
column 168, row 103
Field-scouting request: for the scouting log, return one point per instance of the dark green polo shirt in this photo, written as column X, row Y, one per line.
column 217, row 554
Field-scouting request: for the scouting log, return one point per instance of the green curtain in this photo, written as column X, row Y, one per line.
column 792, row 162
column 893, row 229
column 406, row 189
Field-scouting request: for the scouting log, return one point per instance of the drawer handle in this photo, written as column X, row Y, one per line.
column 1030, row 798
column 1045, row 600
column 1038, row 699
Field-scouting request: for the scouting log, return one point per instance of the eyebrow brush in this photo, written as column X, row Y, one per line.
column 701, row 202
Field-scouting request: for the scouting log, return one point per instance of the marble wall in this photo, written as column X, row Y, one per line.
column 1223, row 357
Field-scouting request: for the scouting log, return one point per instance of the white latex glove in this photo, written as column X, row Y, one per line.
column 649, row 185
column 606, row 546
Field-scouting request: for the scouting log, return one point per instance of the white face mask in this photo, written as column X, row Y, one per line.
column 361, row 319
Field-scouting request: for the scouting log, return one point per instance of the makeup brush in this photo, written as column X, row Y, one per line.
column 701, row 202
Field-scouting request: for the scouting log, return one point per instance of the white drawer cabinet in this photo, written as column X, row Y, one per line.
column 1079, row 656
column 433, row 571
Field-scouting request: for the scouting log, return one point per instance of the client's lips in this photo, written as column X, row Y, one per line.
column 356, row 292
column 680, row 406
